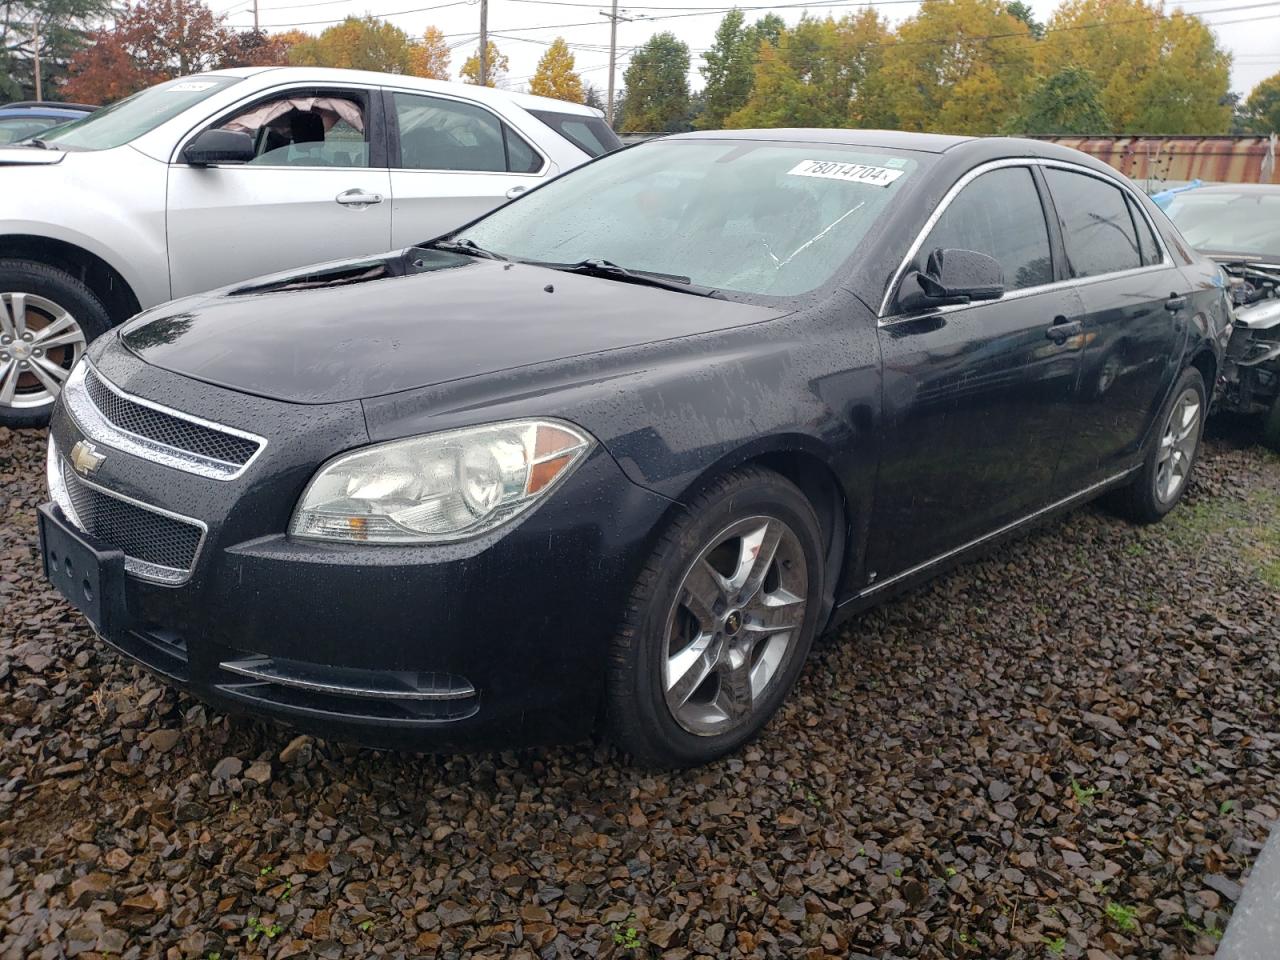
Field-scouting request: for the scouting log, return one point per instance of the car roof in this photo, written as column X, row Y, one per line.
column 472, row 91
column 889, row 139
column 1234, row 188
column 43, row 110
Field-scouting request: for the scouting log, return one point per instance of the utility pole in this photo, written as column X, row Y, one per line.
column 484, row 43
column 613, row 17
column 255, row 17
column 39, row 90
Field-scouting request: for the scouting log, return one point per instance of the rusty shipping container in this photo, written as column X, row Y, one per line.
column 1156, row 161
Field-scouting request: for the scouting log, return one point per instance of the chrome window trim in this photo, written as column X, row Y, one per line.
column 1013, row 525
column 142, row 569
column 1165, row 260
column 94, row 424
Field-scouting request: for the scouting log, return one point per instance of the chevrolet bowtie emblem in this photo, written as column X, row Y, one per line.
column 86, row 458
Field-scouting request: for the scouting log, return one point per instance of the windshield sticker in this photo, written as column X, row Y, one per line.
column 192, row 86
column 851, row 172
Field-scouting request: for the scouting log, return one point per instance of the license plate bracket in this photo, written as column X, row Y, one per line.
column 88, row 573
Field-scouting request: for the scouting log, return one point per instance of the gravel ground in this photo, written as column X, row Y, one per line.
column 1068, row 749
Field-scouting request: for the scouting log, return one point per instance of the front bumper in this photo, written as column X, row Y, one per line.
column 500, row 640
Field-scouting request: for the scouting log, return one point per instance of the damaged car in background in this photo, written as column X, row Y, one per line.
column 1238, row 225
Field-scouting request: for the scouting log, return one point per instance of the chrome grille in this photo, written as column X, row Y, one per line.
column 157, row 545
column 167, row 429
column 148, row 430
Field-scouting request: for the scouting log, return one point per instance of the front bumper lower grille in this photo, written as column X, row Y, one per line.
column 149, row 430
column 158, row 545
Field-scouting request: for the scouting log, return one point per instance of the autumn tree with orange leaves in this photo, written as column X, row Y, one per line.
column 430, row 56
column 556, row 77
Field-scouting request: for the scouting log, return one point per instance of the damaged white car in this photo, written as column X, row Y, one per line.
column 210, row 179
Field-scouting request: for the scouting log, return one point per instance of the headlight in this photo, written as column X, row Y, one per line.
column 440, row 487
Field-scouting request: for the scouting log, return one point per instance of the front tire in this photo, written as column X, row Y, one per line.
column 1271, row 426
column 47, row 318
column 720, row 621
column 1162, row 480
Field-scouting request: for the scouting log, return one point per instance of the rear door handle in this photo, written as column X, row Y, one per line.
column 357, row 198
column 515, row 192
column 1063, row 330
column 1175, row 303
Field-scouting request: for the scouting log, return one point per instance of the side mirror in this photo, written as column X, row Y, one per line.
column 952, row 276
column 218, row 146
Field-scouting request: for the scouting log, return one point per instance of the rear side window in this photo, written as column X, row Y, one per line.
column 999, row 214
column 1097, row 226
column 438, row 134
column 590, row 134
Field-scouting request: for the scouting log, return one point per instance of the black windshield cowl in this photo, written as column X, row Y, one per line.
column 610, row 270
column 466, row 247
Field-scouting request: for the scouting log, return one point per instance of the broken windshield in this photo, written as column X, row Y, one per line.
column 749, row 217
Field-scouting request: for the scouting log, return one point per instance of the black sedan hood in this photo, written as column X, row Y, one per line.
column 368, row 328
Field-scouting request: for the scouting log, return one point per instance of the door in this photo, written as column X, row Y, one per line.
column 452, row 161
column 977, row 398
column 317, row 189
column 1135, row 322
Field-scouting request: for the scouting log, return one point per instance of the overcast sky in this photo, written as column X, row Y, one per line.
column 1249, row 29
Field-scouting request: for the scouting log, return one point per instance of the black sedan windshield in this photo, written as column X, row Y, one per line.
column 748, row 217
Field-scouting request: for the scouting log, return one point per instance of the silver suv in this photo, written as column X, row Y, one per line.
column 211, row 179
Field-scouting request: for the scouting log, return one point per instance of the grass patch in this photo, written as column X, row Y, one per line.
column 1125, row 918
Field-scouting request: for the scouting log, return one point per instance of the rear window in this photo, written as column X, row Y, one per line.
column 590, row 134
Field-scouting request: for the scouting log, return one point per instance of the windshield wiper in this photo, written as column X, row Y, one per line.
column 597, row 267
column 467, row 248
column 37, row 142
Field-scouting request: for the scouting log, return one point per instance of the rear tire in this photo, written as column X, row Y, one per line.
column 1162, row 480
column 719, row 623
column 47, row 319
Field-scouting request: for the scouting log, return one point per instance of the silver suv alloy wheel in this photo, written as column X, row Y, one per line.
column 1178, row 445
column 737, row 613
column 40, row 342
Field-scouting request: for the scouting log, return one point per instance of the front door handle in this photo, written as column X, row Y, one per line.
column 357, row 198
column 1063, row 330
column 1175, row 303
column 515, row 192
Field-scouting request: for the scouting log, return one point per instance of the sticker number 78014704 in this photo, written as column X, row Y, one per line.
column 852, row 172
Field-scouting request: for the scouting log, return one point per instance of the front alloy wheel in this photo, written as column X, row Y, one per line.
column 40, row 342
column 735, row 617
column 47, row 318
column 719, row 622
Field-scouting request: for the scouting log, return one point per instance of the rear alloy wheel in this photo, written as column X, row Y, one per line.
column 1161, row 481
column 47, row 318
column 719, row 624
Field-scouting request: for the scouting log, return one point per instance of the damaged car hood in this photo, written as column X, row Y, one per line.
column 374, row 327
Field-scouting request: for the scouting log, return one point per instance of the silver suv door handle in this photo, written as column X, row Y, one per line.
column 515, row 192
column 357, row 198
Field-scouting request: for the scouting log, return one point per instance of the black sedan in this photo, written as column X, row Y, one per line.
column 616, row 452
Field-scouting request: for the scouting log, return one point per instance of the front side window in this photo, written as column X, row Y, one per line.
column 133, row 116
column 302, row 129
column 1148, row 248
column 757, row 218
column 439, row 134
column 999, row 214
column 1097, row 227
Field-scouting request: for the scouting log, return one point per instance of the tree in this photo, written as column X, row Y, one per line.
column 1262, row 109
column 593, row 96
column 64, row 28
column 498, row 64
column 430, row 56
column 821, row 73
column 1067, row 102
column 1022, row 11
column 555, row 76
column 958, row 66
column 1158, row 74
column 358, row 43
column 150, row 41
column 729, row 66
column 657, row 84
column 250, row 48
